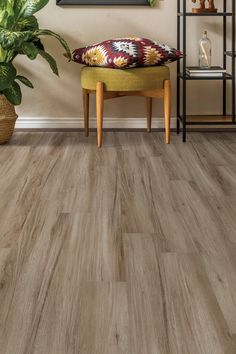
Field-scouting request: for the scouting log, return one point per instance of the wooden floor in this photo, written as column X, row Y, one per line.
column 130, row 249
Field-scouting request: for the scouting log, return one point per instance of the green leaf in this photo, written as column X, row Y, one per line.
column 13, row 93
column 51, row 61
column 6, row 19
column 6, row 13
column 29, row 49
column 3, row 55
column 13, row 39
column 152, row 2
column 6, row 5
column 26, row 8
column 27, row 24
column 45, row 32
column 24, row 81
column 7, row 75
column 38, row 44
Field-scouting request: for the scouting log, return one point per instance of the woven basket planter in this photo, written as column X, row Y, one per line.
column 8, row 118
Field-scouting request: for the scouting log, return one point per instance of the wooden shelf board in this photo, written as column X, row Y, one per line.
column 213, row 118
column 206, row 14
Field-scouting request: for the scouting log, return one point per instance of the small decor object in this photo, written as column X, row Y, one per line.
column 107, row 2
column 203, row 8
column 126, row 53
column 19, row 34
column 204, row 51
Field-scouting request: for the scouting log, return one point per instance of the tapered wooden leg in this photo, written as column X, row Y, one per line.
column 86, row 111
column 99, row 109
column 149, row 114
column 167, row 108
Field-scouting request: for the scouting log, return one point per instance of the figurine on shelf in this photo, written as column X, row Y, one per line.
column 203, row 7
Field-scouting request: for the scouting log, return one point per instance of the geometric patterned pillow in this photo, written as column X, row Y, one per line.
column 126, row 53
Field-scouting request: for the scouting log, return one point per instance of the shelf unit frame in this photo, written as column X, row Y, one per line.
column 182, row 77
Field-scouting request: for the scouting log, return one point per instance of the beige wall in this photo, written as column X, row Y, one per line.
column 53, row 97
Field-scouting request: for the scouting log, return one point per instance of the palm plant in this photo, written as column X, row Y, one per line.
column 20, row 34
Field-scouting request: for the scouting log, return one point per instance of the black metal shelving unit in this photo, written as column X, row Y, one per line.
column 182, row 77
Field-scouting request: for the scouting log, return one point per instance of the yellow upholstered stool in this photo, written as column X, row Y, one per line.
column 150, row 82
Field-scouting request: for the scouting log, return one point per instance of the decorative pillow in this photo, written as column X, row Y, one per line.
column 126, row 53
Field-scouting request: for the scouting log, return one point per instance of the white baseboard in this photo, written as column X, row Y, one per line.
column 77, row 123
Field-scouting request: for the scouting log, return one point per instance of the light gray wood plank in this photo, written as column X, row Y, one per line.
column 35, row 262
column 147, row 307
column 221, row 272
column 195, row 322
column 104, row 326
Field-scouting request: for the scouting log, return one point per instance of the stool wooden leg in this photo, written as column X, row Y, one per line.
column 167, row 108
column 99, row 109
column 149, row 114
column 86, row 111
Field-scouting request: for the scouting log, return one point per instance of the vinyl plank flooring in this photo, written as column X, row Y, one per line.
column 36, row 259
column 104, row 325
column 175, row 231
column 128, row 249
column 199, row 219
column 147, row 307
column 224, row 211
column 4, row 271
column 195, row 322
column 222, row 276
column 91, row 313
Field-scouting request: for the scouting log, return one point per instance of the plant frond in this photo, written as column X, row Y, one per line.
column 7, row 75
column 24, row 81
column 27, row 8
column 13, row 93
column 45, row 32
column 13, row 39
column 51, row 61
column 29, row 49
column 27, row 24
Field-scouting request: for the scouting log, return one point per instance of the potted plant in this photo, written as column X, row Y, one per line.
column 19, row 35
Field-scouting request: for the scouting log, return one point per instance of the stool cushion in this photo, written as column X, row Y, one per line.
column 137, row 79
